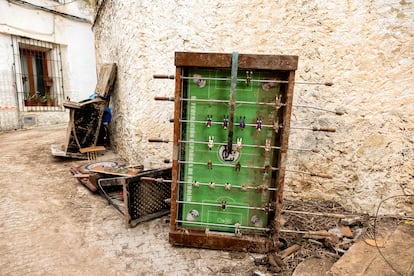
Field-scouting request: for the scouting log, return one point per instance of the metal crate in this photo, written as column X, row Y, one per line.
column 147, row 196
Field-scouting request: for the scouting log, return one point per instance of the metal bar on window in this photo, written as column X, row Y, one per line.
column 39, row 76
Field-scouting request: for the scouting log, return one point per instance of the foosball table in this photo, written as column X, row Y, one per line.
column 231, row 130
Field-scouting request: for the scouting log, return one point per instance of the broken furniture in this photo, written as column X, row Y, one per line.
column 231, row 129
column 138, row 195
column 92, row 151
column 85, row 118
column 147, row 195
column 90, row 174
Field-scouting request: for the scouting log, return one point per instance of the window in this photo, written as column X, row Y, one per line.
column 38, row 75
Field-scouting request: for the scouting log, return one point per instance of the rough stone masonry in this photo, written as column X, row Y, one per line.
column 366, row 48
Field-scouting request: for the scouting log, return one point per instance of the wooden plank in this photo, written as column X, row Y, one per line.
column 57, row 150
column 106, row 79
column 280, row 178
column 115, row 173
column 79, row 105
column 246, row 61
column 92, row 149
column 220, row 241
column 80, row 175
column 176, row 147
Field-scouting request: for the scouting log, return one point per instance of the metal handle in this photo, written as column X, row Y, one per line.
column 159, row 76
column 161, row 98
column 321, row 175
column 158, row 140
column 327, row 129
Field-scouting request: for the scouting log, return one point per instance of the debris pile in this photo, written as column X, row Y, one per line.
column 137, row 194
column 316, row 229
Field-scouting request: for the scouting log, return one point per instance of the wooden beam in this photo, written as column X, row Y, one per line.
column 245, row 61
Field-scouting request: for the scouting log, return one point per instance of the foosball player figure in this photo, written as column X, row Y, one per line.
column 239, row 144
column 259, row 124
column 225, row 122
column 210, row 142
column 209, row 120
column 238, row 166
column 242, row 123
column 266, row 169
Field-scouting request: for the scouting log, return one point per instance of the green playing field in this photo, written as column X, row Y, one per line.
column 218, row 190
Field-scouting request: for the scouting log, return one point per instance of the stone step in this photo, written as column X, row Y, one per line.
column 396, row 257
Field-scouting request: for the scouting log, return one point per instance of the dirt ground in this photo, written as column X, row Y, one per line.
column 53, row 225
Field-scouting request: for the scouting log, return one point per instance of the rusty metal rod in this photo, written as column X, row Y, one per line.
column 219, row 205
column 158, row 140
column 219, row 123
column 255, row 167
column 161, row 98
column 336, row 111
column 232, row 186
column 161, row 180
column 260, row 81
column 327, row 129
column 225, row 165
column 232, row 102
column 223, row 225
column 226, row 101
column 163, row 76
column 315, row 150
column 171, row 77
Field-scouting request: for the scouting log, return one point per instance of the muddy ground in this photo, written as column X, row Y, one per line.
column 53, row 225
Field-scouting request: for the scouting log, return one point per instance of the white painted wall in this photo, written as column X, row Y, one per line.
column 77, row 46
column 365, row 47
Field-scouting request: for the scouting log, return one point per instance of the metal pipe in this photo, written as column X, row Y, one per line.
column 337, row 111
column 223, row 185
column 260, row 81
column 160, row 140
column 223, row 101
column 223, row 225
column 225, row 165
column 219, row 123
column 243, row 80
column 256, row 167
column 171, row 77
column 244, row 145
column 220, row 205
column 222, row 144
column 232, row 103
column 327, row 129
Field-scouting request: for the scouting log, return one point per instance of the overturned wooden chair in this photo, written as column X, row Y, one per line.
column 85, row 119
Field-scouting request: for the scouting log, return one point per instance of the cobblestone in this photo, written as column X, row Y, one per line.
column 52, row 225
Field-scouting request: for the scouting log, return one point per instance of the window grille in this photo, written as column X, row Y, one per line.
column 39, row 80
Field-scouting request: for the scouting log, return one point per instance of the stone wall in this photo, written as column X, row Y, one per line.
column 366, row 48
